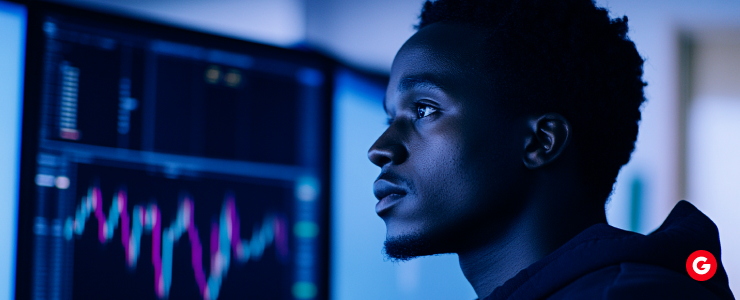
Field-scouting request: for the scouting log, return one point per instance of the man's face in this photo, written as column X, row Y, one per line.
column 450, row 158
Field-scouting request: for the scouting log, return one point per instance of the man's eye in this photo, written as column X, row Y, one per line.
column 424, row 110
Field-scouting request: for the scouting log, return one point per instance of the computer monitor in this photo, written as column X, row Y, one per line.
column 12, row 52
column 161, row 163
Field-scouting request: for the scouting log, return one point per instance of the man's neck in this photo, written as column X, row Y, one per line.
column 536, row 233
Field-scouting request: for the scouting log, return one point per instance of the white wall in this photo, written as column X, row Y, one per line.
column 714, row 137
column 274, row 22
column 360, row 32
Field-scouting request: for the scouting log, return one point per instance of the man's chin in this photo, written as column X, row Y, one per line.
column 406, row 247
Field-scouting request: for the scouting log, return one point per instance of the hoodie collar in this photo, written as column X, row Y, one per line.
column 684, row 231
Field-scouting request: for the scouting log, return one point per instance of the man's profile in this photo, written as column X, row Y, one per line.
column 508, row 124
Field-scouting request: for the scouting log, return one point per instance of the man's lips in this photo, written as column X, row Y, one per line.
column 387, row 194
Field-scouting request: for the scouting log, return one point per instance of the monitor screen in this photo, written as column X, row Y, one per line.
column 160, row 163
column 12, row 52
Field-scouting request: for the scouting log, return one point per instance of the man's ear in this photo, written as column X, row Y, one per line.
column 547, row 137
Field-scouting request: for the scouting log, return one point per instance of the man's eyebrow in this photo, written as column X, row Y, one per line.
column 414, row 82
column 408, row 83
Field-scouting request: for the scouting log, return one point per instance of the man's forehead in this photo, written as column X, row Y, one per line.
column 439, row 49
column 440, row 56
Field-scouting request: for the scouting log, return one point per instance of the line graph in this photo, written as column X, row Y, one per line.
column 226, row 242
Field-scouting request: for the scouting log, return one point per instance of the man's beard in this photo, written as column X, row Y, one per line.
column 406, row 247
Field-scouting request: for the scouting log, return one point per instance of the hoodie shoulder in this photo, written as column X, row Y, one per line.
column 604, row 262
column 633, row 281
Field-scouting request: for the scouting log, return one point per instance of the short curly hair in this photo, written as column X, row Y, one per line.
column 563, row 56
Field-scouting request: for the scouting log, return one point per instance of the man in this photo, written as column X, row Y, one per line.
column 508, row 123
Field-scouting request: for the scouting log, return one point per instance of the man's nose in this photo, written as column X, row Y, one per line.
column 388, row 148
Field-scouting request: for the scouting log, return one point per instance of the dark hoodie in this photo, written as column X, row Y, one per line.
column 604, row 262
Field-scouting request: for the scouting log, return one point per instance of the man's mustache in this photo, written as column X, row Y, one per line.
column 396, row 179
